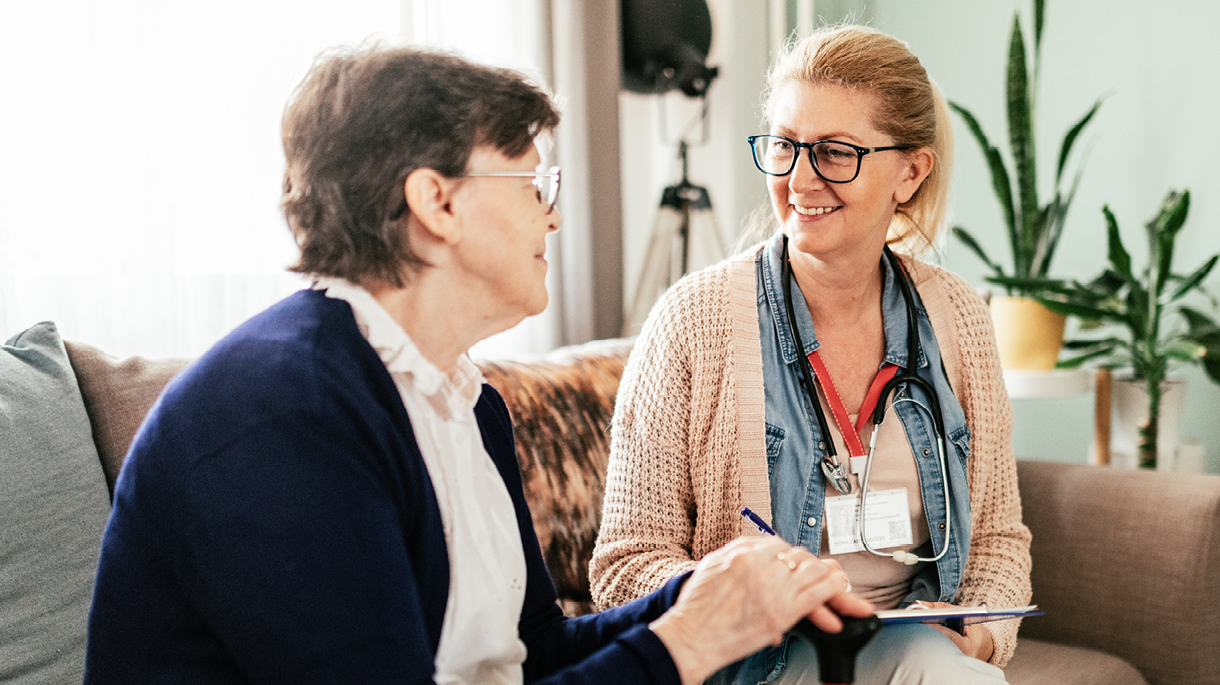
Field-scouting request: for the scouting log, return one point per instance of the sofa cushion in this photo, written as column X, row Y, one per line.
column 1046, row 663
column 53, row 508
column 118, row 394
column 1127, row 562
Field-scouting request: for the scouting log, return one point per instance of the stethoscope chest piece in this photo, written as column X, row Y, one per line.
column 835, row 476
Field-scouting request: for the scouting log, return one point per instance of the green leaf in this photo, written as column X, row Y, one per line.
column 1030, row 285
column 1184, row 350
column 1173, row 212
column 1211, row 363
column 1198, row 322
column 1105, row 286
column 1138, row 318
column 1021, row 138
column 1194, row 279
column 1089, row 344
column 1000, row 183
column 1054, row 225
column 1050, row 220
column 1119, row 259
column 1075, row 362
column 1205, row 331
column 1162, row 234
column 1083, row 311
column 969, row 241
column 1070, row 139
column 1039, row 16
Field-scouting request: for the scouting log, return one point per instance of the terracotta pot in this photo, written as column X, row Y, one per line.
column 1129, row 409
column 1028, row 335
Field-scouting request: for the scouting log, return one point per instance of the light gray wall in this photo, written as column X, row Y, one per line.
column 1158, row 130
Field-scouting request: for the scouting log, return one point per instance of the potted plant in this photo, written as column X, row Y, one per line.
column 1029, row 337
column 1146, row 305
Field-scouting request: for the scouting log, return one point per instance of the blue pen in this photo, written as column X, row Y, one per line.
column 757, row 521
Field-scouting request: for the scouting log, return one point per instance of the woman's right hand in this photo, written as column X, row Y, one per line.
column 745, row 596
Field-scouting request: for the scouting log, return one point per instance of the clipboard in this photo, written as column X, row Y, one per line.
column 955, row 617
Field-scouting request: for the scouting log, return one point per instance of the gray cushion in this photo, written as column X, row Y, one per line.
column 53, row 508
column 1045, row 663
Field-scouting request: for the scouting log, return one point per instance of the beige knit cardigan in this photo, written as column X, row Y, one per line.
column 688, row 440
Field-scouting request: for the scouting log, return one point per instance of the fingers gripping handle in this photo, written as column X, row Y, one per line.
column 837, row 651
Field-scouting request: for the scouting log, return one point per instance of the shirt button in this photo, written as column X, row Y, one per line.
column 812, row 521
column 460, row 439
column 940, row 526
column 926, row 451
column 821, row 444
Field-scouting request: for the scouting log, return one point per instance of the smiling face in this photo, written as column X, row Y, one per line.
column 503, row 249
column 839, row 220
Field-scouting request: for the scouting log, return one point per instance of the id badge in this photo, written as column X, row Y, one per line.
column 887, row 522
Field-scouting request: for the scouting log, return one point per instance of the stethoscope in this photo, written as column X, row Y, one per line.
column 831, row 466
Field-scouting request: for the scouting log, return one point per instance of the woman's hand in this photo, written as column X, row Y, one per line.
column 745, row 596
column 975, row 640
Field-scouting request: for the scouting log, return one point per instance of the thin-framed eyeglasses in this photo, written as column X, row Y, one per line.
column 546, row 183
column 832, row 160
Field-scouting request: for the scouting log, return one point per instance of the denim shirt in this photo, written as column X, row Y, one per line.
column 795, row 444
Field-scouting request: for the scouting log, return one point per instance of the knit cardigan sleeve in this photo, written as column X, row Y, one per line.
column 997, row 571
column 675, row 477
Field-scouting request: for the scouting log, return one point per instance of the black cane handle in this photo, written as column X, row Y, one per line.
column 837, row 651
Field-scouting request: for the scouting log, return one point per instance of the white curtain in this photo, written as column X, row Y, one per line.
column 140, row 164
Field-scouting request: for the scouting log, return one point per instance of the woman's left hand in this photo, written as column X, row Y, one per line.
column 974, row 640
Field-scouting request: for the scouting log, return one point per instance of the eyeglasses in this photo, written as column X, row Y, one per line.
column 833, row 161
column 546, row 183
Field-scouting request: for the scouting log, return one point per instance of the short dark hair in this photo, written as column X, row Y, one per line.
column 362, row 120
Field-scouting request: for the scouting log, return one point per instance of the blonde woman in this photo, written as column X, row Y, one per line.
column 748, row 376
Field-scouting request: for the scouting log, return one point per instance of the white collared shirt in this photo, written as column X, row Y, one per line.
column 479, row 641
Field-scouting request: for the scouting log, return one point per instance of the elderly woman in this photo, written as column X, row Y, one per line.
column 726, row 398
column 330, row 494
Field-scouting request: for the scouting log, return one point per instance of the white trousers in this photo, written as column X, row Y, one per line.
column 911, row 654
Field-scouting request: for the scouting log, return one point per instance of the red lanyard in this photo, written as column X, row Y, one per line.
column 851, row 435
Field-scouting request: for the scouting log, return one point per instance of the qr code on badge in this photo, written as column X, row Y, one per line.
column 898, row 531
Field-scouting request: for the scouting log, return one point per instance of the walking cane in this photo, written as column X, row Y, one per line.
column 837, row 651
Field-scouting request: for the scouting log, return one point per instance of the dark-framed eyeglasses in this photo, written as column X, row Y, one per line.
column 546, row 183
column 833, row 161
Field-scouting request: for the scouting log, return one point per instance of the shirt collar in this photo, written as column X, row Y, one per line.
column 459, row 390
column 893, row 309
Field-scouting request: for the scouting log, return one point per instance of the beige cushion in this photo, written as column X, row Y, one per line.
column 1044, row 663
column 1128, row 563
column 118, row 394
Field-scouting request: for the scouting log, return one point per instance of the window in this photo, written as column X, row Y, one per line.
column 140, row 165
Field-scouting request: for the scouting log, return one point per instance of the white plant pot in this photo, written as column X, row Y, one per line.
column 1129, row 409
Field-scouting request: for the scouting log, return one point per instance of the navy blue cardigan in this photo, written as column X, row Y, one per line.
column 274, row 523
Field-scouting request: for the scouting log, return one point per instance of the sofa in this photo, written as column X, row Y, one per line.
column 1126, row 564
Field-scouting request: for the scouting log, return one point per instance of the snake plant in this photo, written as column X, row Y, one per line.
column 1034, row 228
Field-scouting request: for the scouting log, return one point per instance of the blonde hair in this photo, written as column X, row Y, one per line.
column 910, row 109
